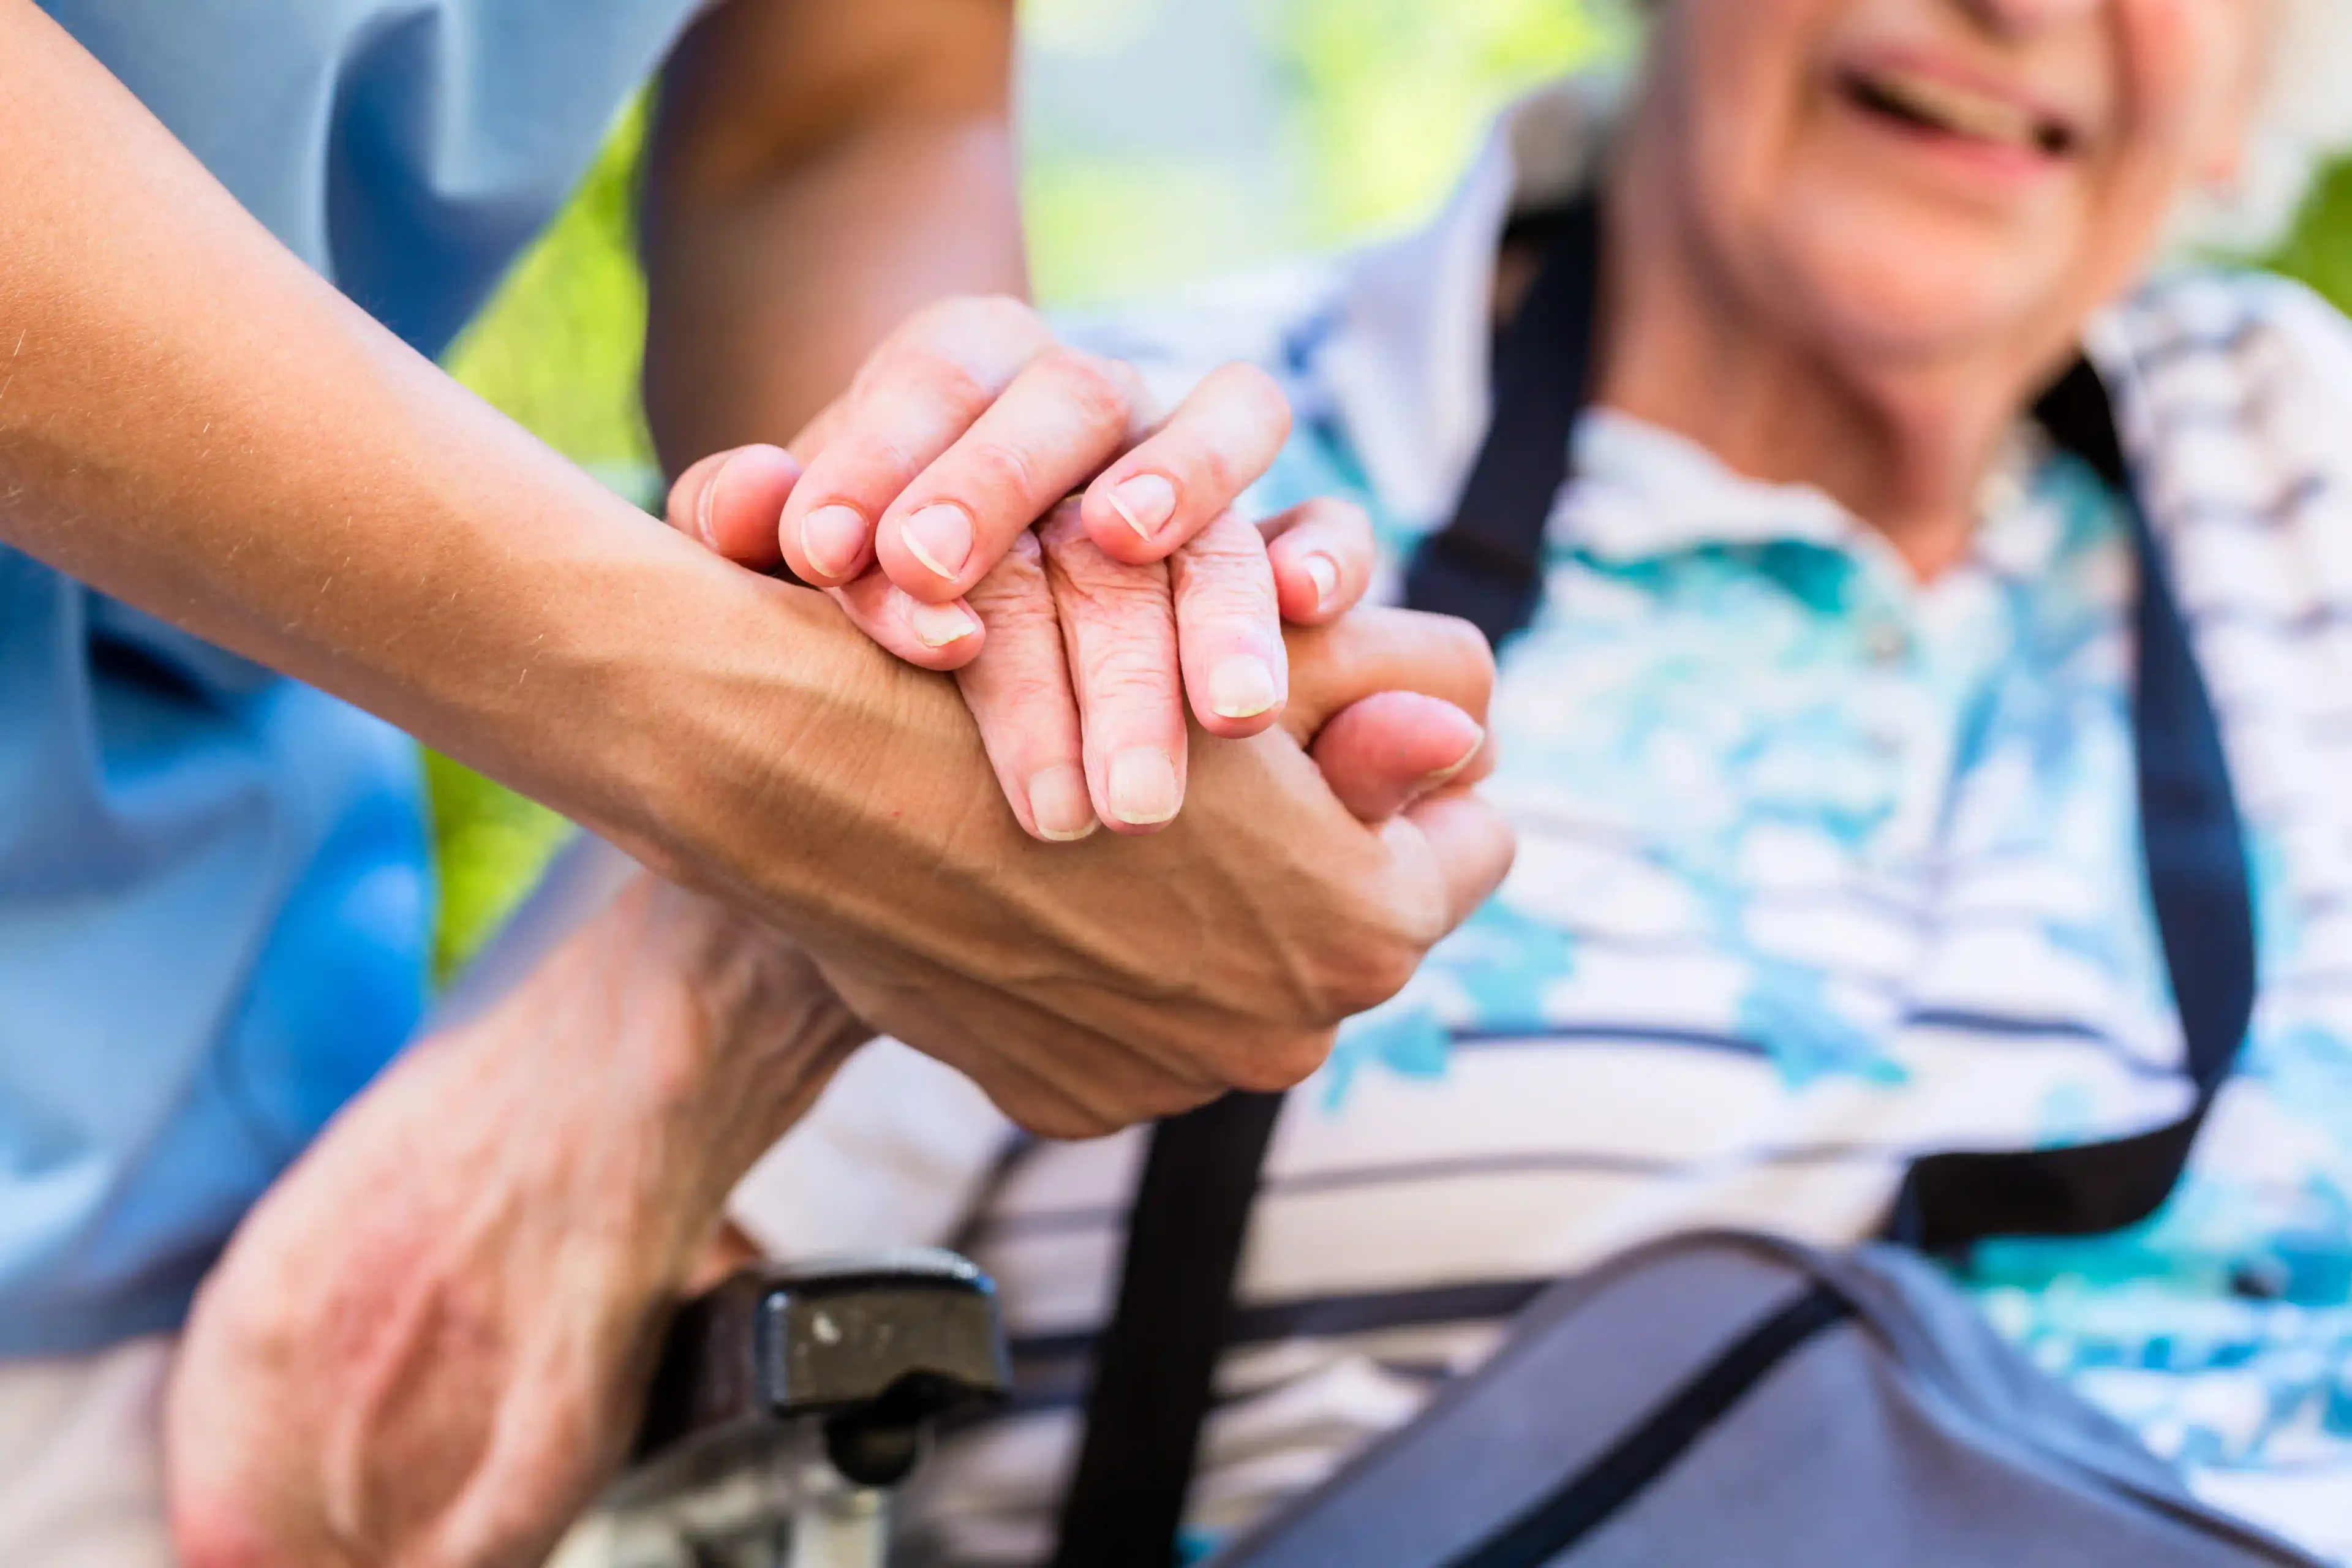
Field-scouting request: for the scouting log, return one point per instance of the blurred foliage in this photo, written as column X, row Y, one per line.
column 558, row 350
column 1378, row 103
column 1392, row 96
column 560, row 347
column 2320, row 250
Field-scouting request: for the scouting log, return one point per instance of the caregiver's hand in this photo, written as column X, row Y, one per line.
column 427, row 1346
column 1131, row 977
column 321, row 499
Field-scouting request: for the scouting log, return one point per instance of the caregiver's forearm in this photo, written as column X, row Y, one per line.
column 193, row 421
column 817, row 173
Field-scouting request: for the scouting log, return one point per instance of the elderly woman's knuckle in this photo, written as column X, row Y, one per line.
column 1053, row 1116
column 1018, row 578
column 1130, row 593
column 1086, row 1123
column 1129, row 682
column 1094, row 387
column 918, row 373
column 1018, row 698
column 1002, row 468
column 1235, row 596
column 1016, row 613
column 1061, row 536
column 1259, row 393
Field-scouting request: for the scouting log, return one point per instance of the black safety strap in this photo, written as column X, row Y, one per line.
column 1487, row 565
column 2193, row 845
column 1153, row 1377
column 1157, row 1360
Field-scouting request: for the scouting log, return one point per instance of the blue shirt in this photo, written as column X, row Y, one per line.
column 214, row 892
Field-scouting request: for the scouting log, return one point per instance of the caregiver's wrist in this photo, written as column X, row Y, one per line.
column 647, row 689
column 763, row 748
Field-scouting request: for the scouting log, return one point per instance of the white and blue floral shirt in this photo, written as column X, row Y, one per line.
column 1821, row 867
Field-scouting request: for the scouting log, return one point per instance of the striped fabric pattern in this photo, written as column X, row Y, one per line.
column 1821, row 869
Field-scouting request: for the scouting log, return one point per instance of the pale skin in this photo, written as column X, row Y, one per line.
column 1796, row 347
column 319, row 497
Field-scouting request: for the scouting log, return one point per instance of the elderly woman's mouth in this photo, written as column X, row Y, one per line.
column 1934, row 105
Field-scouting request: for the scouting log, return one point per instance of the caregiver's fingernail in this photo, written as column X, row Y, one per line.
column 1324, row 572
column 832, row 538
column 935, row 626
column 1143, row 787
column 706, row 504
column 1242, row 688
column 1446, row 774
column 1059, row 804
column 940, row 538
column 1147, row 501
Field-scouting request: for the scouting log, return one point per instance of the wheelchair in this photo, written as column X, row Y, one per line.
column 789, row 1401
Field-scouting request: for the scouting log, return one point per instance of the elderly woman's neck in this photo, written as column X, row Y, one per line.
column 1905, row 449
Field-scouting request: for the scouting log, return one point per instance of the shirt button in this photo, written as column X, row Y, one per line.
column 1884, row 642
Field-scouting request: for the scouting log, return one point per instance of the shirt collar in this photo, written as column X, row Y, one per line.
column 1650, row 492
column 1407, row 365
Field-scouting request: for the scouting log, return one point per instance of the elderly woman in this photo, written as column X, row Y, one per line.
column 1819, row 745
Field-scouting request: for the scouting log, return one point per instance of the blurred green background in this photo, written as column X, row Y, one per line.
column 1163, row 140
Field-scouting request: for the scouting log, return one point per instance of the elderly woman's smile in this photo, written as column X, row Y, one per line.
column 1994, row 129
column 1850, row 235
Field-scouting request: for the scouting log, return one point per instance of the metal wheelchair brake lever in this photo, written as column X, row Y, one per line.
column 788, row 1399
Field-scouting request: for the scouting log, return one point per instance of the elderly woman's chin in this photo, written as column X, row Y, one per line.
column 1880, row 281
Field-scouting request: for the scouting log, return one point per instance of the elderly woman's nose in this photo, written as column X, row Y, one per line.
column 2029, row 15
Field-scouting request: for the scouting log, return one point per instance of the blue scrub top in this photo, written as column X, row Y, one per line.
column 215, row 891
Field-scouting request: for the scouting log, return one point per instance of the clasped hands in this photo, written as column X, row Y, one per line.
column 427, row 1346
column 930, row 501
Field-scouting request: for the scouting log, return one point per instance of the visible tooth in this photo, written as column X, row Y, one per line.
column 1958, row 109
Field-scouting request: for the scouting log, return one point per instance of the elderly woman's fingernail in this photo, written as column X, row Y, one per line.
column 1059, row 804
column 1147, row 501
column 940, row 538
column 832, row 538
column 935, row 626
column 1324, row 572
column 1241, row 686
column 1143, row 790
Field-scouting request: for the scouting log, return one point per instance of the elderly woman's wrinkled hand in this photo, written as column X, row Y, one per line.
column 1081, row 644
column 428, row 1343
